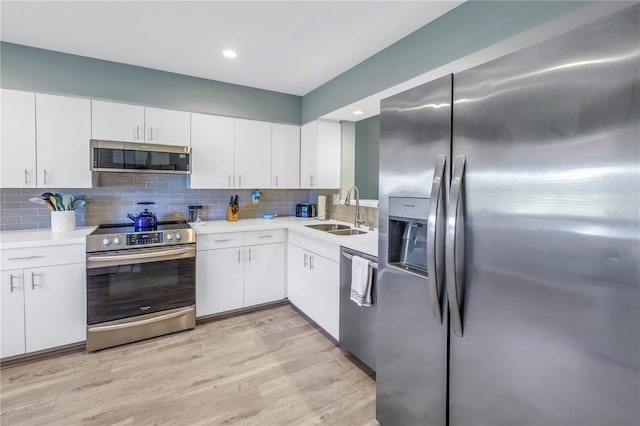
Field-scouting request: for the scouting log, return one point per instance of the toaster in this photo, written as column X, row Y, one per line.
column 306, row 210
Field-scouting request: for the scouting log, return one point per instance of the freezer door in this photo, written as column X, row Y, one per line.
column 415, row 136
column 549, row 199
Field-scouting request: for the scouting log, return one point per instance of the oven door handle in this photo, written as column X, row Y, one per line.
column 137, row 323
column 139, row 256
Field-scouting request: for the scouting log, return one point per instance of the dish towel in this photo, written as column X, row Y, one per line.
column 360, row 282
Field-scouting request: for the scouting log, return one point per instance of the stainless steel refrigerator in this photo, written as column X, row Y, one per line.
column 509, row 251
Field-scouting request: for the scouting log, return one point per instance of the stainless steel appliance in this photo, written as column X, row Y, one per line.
column 306, row 210
column 112, row 156
column 531, row 164
column 358, row 323
column 139, row 284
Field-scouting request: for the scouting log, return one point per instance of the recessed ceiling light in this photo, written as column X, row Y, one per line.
column 358, row 112
column 229, row 53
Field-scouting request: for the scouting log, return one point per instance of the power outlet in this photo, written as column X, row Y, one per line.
column 336, row 199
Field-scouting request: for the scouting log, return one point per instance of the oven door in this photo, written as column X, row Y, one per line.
column 128, row 283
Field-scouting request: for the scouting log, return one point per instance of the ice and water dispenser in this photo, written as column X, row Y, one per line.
column 408, row 234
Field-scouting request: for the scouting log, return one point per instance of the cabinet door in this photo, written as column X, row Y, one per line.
column 285, row 156
column 263, row 274
column 18, row 143
column 329, row 148
column 308, row 155
column 63, row 130
column 326, row 292
column 12, row 314
column 298, row 284
column 55, row 306
column 112, row 121
column 219, row 278
column 252, row 145
column 212, row 144
column 167, row 127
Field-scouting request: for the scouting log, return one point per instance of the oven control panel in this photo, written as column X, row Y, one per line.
column 146, row 238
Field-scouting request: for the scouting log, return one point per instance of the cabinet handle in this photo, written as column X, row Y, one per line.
column 310, row 262
column 305, row 260
column 266, row 236
column 45, row 176
column 240, row 181
column 25, row 257
column 150, row 133
column 136, row 133
column 310, row 180
column 221, row 241
column 33, row 280
column 249, row 255
column 238, row 256
column 27, row 181
column 11, row 286
column 229, row 181
column 276, row 181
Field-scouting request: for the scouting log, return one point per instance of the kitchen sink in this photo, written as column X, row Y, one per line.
column 328, row 227
column 347, row 232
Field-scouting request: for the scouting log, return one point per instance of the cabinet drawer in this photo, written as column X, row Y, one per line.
column 252, row 238
column 216, row 241
column 321, row 247
column 34, row 257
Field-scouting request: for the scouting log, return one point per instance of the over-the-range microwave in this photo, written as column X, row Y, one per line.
column 113, row 156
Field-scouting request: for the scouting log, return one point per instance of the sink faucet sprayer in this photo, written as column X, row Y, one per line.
column 347, row 200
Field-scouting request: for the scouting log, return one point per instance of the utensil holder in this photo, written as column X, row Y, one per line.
column 231, row 216
column 63, row 221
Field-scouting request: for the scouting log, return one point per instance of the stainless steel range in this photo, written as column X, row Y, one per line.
column 140, row 284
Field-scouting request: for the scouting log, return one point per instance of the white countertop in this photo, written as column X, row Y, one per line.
column 42, row 237
column 366, row 243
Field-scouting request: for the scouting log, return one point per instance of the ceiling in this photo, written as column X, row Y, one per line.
column 286, row 46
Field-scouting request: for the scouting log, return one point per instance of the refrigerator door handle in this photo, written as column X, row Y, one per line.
column 454, row 246
column 434, row 238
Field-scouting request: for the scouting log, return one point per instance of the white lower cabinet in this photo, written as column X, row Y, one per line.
column 314, row 287
column 42, row 308
column 219, row 281
column 264, row 274
column 247, row 269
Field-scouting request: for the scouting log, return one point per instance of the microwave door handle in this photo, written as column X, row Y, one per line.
column 135, row 256
column 435, row 232
column 454, row 246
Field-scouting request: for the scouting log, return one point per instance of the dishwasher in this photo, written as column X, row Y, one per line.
column 358, row 323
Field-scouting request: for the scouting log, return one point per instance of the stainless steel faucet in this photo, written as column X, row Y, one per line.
column 347, row 200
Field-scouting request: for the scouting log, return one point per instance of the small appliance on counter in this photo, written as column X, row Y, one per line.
column 195, row 214
column 306, row 210
column 322, row 207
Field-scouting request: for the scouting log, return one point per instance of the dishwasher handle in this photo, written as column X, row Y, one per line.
column 372, row 264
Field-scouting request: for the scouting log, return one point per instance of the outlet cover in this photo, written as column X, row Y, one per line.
column 336, row 199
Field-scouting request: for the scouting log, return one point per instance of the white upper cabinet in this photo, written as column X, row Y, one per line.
column 167, row 127
column 212, row 143
column 320, row 155
column 18, row 144
column 123, row 122
column 329, row 144
column 252, row 150
column 308, row 156
column 285, row 156
column 117, row 122
column 63, row 130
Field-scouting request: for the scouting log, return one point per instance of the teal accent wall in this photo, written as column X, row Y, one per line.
column 472, row 26
column 39, row 70
column 367, row 157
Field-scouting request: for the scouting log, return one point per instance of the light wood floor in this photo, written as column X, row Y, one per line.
column 263, row 368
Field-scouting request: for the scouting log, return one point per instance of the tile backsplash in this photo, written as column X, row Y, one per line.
column 116, row 195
